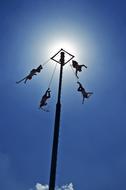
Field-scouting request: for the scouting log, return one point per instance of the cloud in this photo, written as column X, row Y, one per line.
column 66, row 187
column 41, row 187
column 46, row 187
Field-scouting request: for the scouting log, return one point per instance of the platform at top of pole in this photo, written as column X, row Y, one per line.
column 56, row 56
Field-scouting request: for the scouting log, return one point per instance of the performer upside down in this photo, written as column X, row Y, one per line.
column 31, row 74
column 83, row 92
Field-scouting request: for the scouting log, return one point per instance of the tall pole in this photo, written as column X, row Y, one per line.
column 56, row 130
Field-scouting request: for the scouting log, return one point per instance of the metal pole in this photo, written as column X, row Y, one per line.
column 56, row 130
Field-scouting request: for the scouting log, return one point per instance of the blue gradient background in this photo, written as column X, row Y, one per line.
column 92, row 148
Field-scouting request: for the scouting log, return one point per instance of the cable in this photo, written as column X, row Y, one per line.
column 52, row 75
column 44, row 63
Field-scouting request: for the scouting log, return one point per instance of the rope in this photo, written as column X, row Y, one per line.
column 44, row 63
column 52, row 75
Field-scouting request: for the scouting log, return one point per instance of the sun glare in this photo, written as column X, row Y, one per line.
column 73, row 41
column 52, row 45
column 64, row 45
column 68, row 44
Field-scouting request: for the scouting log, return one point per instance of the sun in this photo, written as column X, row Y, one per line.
column 55, row 45
column 71, row 40
column 66, row 42
column 65, row 45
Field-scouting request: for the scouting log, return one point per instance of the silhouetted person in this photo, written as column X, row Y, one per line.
column 77, row 67
column 83, row 92
column 29, row 77
column 44, row 98
column 31, row 74
column 39, row 68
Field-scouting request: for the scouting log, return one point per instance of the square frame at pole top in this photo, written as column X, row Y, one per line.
column 62, row 50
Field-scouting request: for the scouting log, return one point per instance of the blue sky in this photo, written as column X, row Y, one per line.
column 92, row 153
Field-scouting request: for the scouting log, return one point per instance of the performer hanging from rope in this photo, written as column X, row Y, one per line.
column 77, row 67
column 44, row 99
column 83, row 92
column 31, row 74
column 47, row 93
column 39, row 68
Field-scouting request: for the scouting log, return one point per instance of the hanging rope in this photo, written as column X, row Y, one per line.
column 31, row 75
column 44, row 63
column 52, row 76
column 46, row 96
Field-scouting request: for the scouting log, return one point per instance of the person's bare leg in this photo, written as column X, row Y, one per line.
column 76, row 73
column 83, row 100
column 89, row 94
column 25, row 80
